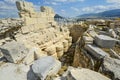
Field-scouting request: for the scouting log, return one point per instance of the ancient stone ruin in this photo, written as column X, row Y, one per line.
column 35, row 47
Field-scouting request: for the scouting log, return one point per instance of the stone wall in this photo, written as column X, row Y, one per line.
column 38, row 32
column 26, row 11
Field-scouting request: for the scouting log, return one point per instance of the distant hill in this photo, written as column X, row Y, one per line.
column 109, row 13
column 58, row 16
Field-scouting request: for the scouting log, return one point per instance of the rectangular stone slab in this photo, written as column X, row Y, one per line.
column 45, row 66
column 96, row 51
column 105, row 41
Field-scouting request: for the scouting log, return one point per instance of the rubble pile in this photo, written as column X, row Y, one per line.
column 9, row 27
column 35, row 47
column 96, row 52
column 37, row 41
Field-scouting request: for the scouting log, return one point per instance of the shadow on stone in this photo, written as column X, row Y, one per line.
column 30, row 75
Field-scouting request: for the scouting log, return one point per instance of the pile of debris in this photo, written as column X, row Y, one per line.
column 36, row 49
column 96, row 52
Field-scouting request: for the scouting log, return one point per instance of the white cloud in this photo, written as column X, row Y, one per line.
column 75, row 9
column 66, row 0
column 113, row 1
column 11, row 1
column 54, row 3
column 63, row 12
column 115, row 4
column 8, row 9
column 99, row 8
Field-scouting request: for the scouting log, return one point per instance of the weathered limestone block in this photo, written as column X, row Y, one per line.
column 25, row 29
column 56, row 68
column 30, row 21
column 46, row 9
column 27, row 12
column 14, row 51
column 29, row 58
column 84, row 74
column 92, row 33
column 34, row 53
column 88, row 40
column 9, row 71
column 55, row 55
column 45, row 66
column 96, row 51
column 59, row 50
column 24, row 6
column 51, row 50
column 112, row 33
column 69, row 41
column 111, row 67
column 65, row 45
column 105, row 41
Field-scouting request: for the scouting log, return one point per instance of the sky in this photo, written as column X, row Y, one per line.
column 66, row 8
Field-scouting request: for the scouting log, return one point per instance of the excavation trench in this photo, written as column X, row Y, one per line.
column 76, row 55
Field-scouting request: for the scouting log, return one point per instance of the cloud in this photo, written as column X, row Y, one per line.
column 63, row 12
column 65, row 0
column 75, row 9
column 114, row 4
column 52, row 3
column 69, row 0
column 10, row 1
column 96, row 9
column 8, row 9
column 113, row 1
column 99, row 8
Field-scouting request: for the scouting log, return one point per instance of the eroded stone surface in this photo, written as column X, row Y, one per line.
column 111, row 67
column 46, row 66
column 14, row 51
column 105, row 41
column 9, row 71
column 84, row 74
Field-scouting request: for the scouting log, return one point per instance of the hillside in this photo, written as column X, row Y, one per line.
column 109, row 13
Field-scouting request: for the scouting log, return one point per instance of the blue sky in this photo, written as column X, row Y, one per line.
column 66, row 8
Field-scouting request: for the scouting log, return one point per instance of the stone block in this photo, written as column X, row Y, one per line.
column 112, row 33
column 51, row 50
column 55, row 68
column 84, row 74
column 111, row 67
column 24, row 6
column 69, row 41
column 9, row 71
column 30, row 56
column 59, row 50
column 92, row 33
column 65, row 45
column 88, row 40
column 105, row 41
column 14, row 51
column 45, row 66
column 96, row 51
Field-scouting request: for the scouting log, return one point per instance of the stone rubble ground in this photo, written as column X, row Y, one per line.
column 35, row 47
